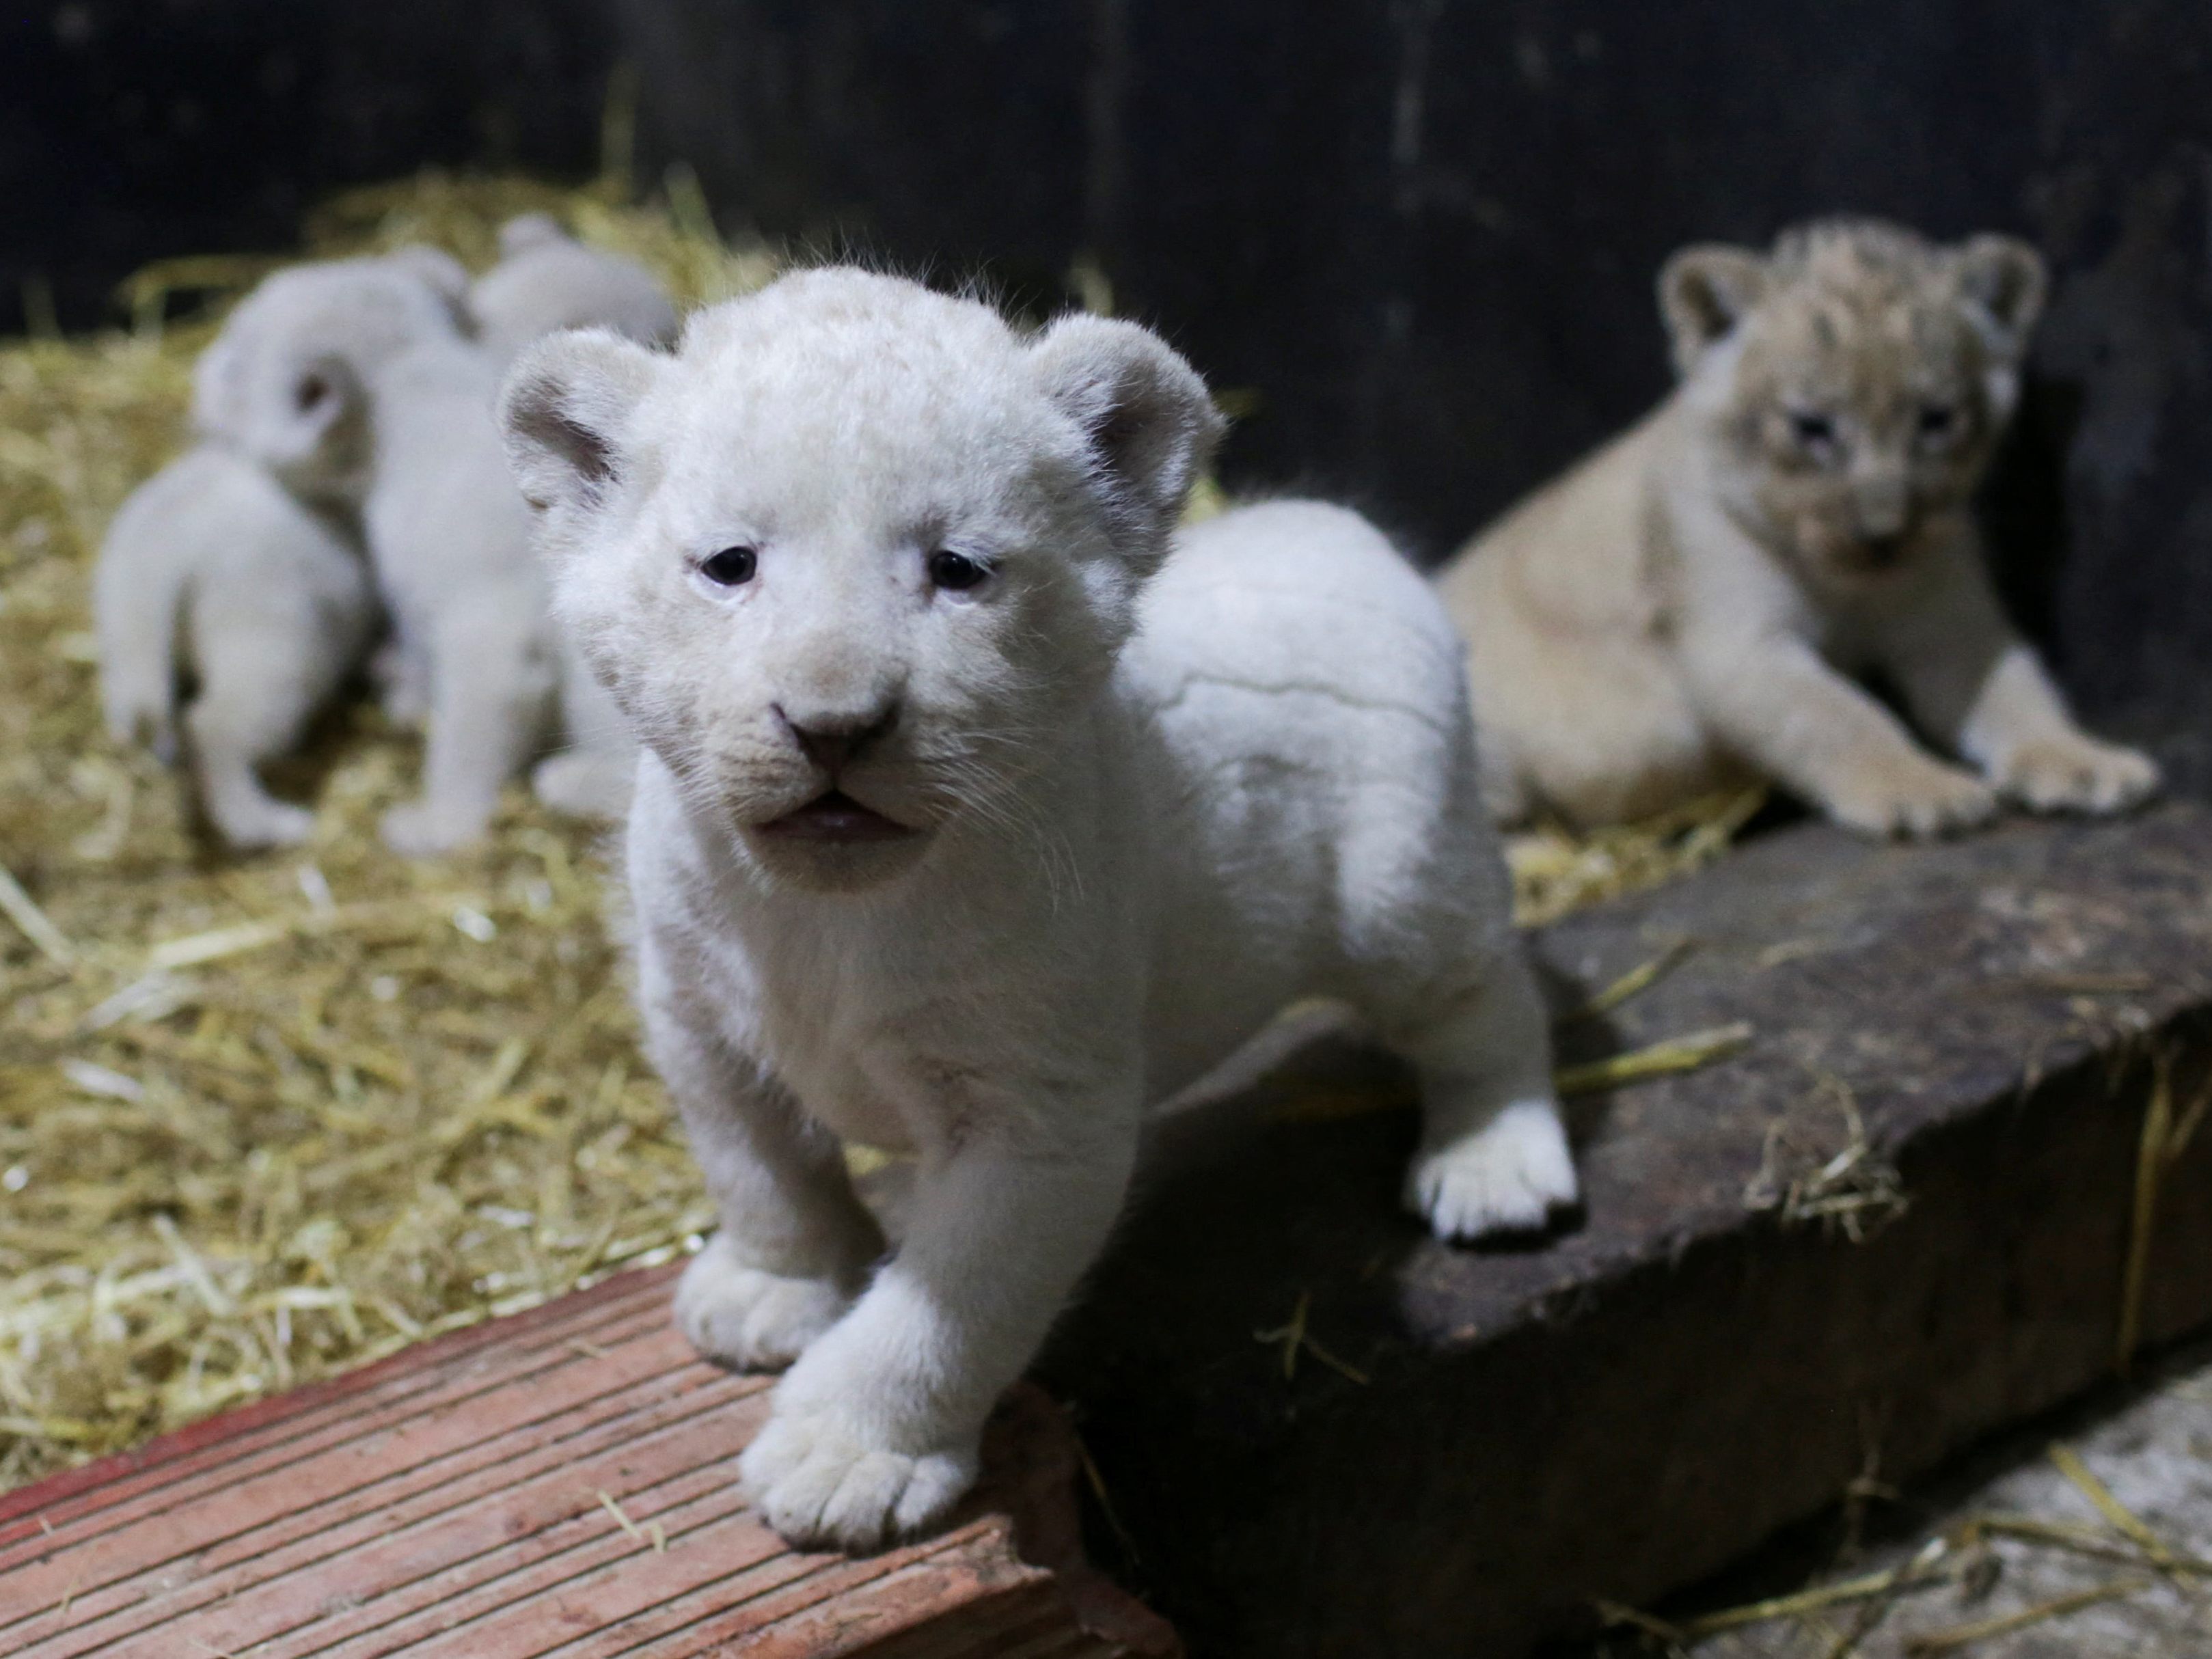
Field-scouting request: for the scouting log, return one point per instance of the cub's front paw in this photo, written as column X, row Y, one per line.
column 820, row 1483
column 585, row 784
column 753, row 1319
column 1505, row 1177
column 2076, row 774
column 418, row 830
column 1916, row 797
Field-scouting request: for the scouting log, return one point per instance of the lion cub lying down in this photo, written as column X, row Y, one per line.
column 1692, row 603
column 973, row 820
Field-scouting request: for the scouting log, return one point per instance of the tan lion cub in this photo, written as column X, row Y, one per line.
column 1692, row 604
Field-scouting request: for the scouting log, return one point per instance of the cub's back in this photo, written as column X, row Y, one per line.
column 1312, row 765
column 1300, row 599
column 1571, row 557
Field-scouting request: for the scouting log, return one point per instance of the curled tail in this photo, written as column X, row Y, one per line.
column 137, row 596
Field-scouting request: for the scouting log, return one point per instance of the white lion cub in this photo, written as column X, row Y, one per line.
column 546, row 280
column 1692, row 604
column 212, row 571
column 973, row 820
column 353, row 382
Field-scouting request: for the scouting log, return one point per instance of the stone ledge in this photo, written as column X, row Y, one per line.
column 1511, row 1434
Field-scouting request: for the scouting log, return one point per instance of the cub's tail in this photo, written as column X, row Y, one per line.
column 137, row 601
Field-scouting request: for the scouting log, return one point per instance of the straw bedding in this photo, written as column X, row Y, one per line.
column 263, row 1119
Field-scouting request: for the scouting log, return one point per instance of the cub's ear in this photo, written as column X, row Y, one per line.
column 215, row 390
column 447, row 276
column 528, row 231
column 2001, row 282
column 319, row 393
column 442, row 274
column 562, row 411
column 1705, row 291
column 1151, row 423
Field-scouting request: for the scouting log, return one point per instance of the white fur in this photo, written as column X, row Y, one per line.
column 546, row 280
column 354, row 382
column 212, row 570
column 1145, row 816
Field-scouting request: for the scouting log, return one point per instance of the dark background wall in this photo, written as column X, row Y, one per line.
column 1420, row 232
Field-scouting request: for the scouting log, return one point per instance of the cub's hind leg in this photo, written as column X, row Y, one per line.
column 492, row 682
column 1441, row 974
column 1493, row 1155
column 265, row 668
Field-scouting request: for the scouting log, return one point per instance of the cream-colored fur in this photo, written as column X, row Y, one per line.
column 212, row 572
column 354, row 382
column 966, row 827
column 1692, row 606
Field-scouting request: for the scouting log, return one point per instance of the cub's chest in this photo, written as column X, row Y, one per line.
column 845, row 1032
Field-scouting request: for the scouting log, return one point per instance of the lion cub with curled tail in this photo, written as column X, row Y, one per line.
column 980, row 810
column 1692, row 606
column 354, row 383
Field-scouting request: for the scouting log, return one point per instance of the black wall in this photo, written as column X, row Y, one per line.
column 1421, row 231
column 131, row 130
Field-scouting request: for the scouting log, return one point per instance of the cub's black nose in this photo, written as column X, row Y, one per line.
column 833, row 741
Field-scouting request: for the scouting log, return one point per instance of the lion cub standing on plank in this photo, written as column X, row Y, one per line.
column 973, row 820
column 1692, row 604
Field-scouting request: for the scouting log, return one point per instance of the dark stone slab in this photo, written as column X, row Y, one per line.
column 1622, row 1408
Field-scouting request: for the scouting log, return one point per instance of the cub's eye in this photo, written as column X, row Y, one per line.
column 1811, row 429
column 310, row 391
column 732, row 567
column 956, row 572
column 1937, row 420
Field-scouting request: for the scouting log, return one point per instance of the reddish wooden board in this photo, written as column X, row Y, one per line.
column 459, row 1500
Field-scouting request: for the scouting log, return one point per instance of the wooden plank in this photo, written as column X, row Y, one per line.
column 461, row 1499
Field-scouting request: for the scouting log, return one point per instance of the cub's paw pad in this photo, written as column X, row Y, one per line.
column 753, row 1319
column 1507, row 1177
column 2077, row 775
column 1925, row 801
column 820, row 1485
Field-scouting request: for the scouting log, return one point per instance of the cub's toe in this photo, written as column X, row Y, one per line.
column 1921, row 802
column 2078, row 776
column 821, row 1485
column 1507, row 1177
column 753, row 1319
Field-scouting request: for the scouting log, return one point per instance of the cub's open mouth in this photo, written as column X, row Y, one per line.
column 835, row 816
